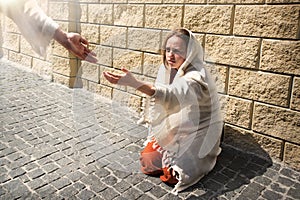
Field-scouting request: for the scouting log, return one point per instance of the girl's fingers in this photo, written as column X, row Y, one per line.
column 112, row 78
column 125, row 70
column 113, row 75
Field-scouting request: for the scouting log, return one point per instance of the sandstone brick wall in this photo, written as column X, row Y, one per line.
column 252, row 47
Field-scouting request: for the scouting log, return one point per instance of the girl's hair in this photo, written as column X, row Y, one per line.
column 181, row 33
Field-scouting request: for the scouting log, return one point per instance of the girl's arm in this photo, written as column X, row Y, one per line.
column 127, row 79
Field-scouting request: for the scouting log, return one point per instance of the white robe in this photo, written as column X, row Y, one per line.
column 37, row 28
column 186, row 119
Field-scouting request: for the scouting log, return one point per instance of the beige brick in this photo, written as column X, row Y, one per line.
column 85, row 84
column 267, row 20
column 291, row 155
column 223, row 99
column 260, row 86
column 104, row 55
column 12, row 41
column 93, row 87
column 173, row 1
column 195, row 1
column 252, row 142
column 64, row 66
column 113, row 1
column 90, row 71
column 281, row 56
column 43, row 5
column 42, row 68
column 163, row 17
column 237, row 51
column 128, row 15
column 134, row 103
column 100, row 13
column 10, row 26
column 59, row 10
column 82, row 12
column 71, row 82
column 129, row 59
column 64, row 26
column 151, row 64
column 238, row 111
column 75, row 12
column 91, row 32
column 209, row 19
column 113, row 36
column 59, row 50
column 165, row 34
column 102, row 90
column 61, row 79
column 219, row 74
column 144, row 1
column 277, row 122
column 235, row 1
column 200, row 38
column 296, row 94
column 20, row 58
column 144, row 40
column 26, row 48
column 282, row 1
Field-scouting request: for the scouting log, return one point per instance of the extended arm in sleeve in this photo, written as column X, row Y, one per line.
column 37, row 28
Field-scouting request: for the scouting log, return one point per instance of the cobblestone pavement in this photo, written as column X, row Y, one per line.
column 61, row 143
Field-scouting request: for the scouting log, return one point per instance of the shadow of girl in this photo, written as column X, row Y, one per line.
column 239, row 162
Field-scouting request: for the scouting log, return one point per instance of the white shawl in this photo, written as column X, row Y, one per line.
column 37, row 28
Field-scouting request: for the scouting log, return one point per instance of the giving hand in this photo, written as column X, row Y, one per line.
column 76, row 44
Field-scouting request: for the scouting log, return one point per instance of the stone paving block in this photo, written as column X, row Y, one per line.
column 269, row 194
column 79, row 186
column 294, row 191
column 36, row 183
column 278, row 188
column 122, row 186
column 109, row 193
column 61, row 183
column 68, row 192
column 16, row 173
column 145, row 186
column 86, row 194
column 285, row 181
column 158, row 192
column 110, row 180
column 132, row 193
column 50, row 167
column 46, row 190
column 4, row 178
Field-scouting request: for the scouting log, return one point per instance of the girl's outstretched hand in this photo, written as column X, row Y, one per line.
column 126, row 79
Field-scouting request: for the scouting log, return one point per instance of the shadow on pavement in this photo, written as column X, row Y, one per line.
column 233, row 172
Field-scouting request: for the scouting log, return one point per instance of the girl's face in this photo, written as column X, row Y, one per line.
column 175, row 52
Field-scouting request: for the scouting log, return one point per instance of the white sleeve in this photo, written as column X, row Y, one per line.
column 37, row 28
